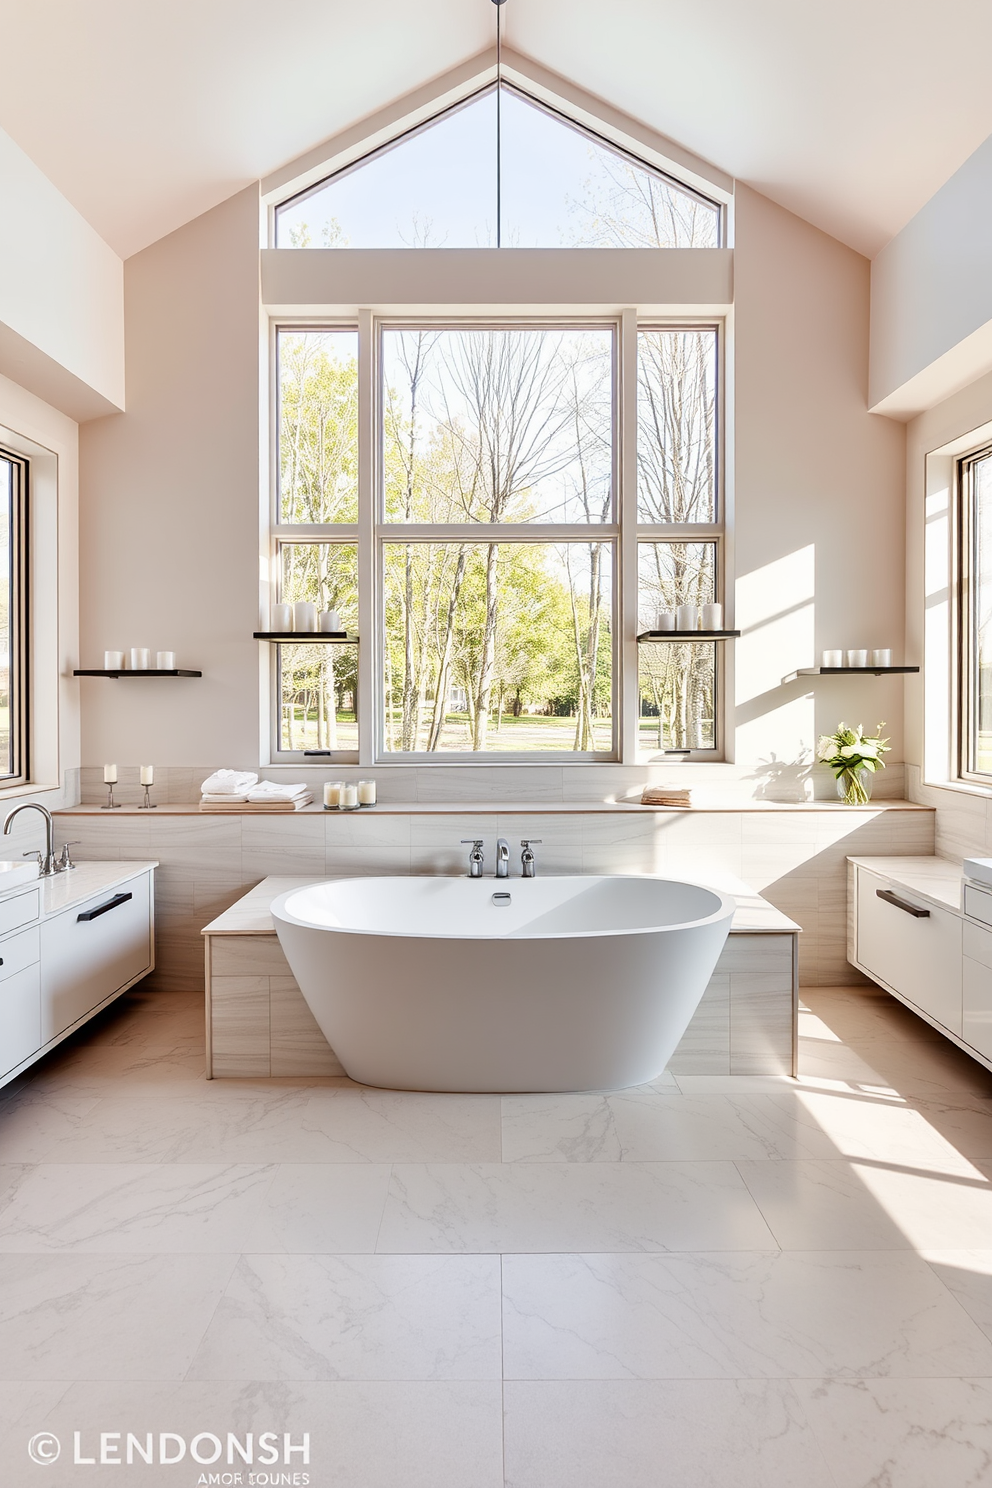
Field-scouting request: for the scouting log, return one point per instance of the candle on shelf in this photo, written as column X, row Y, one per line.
column 712, row 617
column 881, row 658
column 349, row 797
column 147, row 776
column 141, row 658
column 110, row 774
column 282, row 618
column 332, row 793
column 665, row 620
column 113, row 661
column 857, row 658
column 688, row 617
column 328, row 621
column 165, row 661
column 366, row 793
column 304, row 615
column 832, row 659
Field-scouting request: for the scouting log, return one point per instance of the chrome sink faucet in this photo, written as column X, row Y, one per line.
column 47, row 862
column 476, row 861
column 528, row 863
column 502, row 858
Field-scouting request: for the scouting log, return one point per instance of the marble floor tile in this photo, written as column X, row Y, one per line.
column 733, row 1315
column 99, row 1317
column 659, row 1434
column 910, row 1132
column 316, row 1208
column 31, row 1126
column 860, row 1205
column 922, row 1433
column 968, row 1274
column 99, row 1069
column 362, row 1434
column 322, row 1317
column 365, row 1125
column 125, row 1208
column 439, row 1209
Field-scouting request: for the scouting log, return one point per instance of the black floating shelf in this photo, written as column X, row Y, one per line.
column 846, row 672
column 304, row 637
column 688, row 635
column 145, row 672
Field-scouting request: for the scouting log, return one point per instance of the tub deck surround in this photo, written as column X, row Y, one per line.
column 794, row 855
column 259, row 1025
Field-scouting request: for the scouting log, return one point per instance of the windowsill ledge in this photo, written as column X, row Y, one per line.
column 515, row 808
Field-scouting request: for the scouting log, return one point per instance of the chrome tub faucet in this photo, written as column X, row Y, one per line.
column 476, row 860
column 528, row 863
column 502, row 858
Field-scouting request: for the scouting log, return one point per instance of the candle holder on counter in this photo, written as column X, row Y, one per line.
column 110, row 780
column 349, row 798
column 147, row 780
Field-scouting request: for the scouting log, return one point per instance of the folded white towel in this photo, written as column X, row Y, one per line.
column 224, row 796
column 273, row 790
column 228, row 783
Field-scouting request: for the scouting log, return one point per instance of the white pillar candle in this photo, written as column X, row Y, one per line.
column 332, row 792
column 165, row 661
column 329, row 621
column 857, row 658
column 832, row 659
column 282, row 618
column 665, row 620
column 688, row 617
column 113, row 661
column 110, row 774
column 141, row 658
column 304, row 615
column 881, row 658
column 349, row 796
column 366, row 793
column 712, row 617
column 147, row 774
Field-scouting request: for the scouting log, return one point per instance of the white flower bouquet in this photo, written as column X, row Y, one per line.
column 854, row 756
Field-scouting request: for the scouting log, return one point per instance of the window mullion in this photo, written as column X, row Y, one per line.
column 367, row 586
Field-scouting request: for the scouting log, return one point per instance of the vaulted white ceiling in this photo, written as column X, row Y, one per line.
column 147, row 112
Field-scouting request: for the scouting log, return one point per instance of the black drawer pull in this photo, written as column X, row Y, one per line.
column 92, row 914
column 903, row 904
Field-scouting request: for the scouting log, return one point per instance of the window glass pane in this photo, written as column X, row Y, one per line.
column 560, row 187
column 498, row 647
column 981, row 711
column 318, row 426
column 676, row 425
column 676, row 678
column 318, row 682
column 498, row 425
column 8, row 732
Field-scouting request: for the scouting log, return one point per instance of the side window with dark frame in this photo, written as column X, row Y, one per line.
column 13, row 621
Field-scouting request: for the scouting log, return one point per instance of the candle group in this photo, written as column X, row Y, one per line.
column 691, row 617
column 141, row 660
column 304, row 617
column 858, row 656
column 345, row 795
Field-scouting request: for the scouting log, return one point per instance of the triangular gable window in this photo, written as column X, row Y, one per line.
column 553, row 185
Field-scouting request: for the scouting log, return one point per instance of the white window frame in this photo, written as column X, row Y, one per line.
column 18, row 621
column 625, row 534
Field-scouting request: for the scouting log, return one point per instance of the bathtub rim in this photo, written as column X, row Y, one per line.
column 726, row 909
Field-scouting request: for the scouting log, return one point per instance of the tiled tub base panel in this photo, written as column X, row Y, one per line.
column 260, row 1026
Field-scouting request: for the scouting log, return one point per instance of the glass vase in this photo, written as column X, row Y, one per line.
column 854, row 786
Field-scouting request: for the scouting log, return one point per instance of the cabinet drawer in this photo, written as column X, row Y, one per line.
column 91, row 950
column 920, row 958
column 19, row 951
column 976, row 1001
column 22, row 910
column 978, row 904
column 20, row 1018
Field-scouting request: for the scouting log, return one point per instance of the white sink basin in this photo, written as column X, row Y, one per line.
column 13, row 874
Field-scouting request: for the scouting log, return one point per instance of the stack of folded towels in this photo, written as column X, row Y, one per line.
column 240, row 790
column 666, row 795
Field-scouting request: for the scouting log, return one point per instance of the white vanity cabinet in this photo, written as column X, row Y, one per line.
column 912, row 929
column 68, row 946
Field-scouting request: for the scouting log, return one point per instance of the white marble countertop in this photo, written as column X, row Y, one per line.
column 63, row 890
column 508, row 807
column 937, row 880
column 250, row 915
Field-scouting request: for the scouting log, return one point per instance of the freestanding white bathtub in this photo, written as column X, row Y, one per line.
column 578, row 983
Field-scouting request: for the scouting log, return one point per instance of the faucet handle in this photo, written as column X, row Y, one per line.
column 527, row 841
column 473, row 842
column 65, row 861
column 36, row 854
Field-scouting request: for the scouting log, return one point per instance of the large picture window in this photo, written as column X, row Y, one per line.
column 13, row 634
column 486, row 530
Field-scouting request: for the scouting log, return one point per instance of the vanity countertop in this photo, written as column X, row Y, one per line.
column 63, row 890
column 938, row 880
column 250, row 915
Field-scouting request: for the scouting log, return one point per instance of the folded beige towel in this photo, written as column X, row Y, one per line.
column 666, row 795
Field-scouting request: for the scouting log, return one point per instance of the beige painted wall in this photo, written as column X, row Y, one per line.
column 170, row 500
